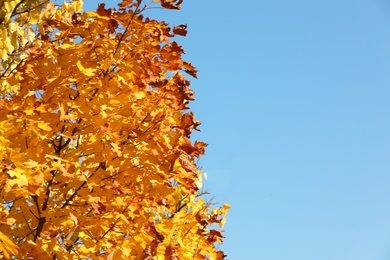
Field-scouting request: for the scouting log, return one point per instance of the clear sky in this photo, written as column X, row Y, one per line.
column 294, row 101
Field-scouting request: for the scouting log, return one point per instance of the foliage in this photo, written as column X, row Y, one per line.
column 97, row 161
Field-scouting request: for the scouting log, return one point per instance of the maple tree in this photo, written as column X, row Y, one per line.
column 97, row 161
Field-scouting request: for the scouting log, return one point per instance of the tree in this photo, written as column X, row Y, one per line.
column 97, row 161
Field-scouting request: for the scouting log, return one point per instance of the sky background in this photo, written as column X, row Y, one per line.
column 294, row 102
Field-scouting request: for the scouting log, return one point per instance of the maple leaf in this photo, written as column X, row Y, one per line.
column 86, row 71
column 102, row 11
column 190, row 69
column 180, row 30
column 7, row 247
column 170, row 253
column 34, row 251
column 171, row 4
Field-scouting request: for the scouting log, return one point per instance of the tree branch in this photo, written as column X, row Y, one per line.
column 116, row 221
column 80, row 187
column 27, row 10
column 136, row 11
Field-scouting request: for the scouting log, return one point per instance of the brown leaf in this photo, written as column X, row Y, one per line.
column 188, row 165
column 152, row 231
column 77, row 19
column 102, row 11
column 215, row 236
column 175, row 47
column 98, row 208
column 220, row 255
column 112, row 25
column 171, row 4
column 180, row 30
column 170, row 253
column 194, row 150
column 151, row 250
column 188, row 123
column 200, row 220
column 190, row 69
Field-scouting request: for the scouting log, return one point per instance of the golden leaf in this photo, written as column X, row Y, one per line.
column 44, row 126
column 7, row 247
column 86, row 71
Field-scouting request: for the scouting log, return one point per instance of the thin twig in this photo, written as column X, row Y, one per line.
column 27, row 10
column 136, row 11
column 79, row 188
column 196, row 249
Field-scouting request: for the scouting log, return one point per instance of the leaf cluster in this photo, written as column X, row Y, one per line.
column 97, row 161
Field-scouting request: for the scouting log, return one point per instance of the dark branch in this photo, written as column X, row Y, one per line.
column 80, row 187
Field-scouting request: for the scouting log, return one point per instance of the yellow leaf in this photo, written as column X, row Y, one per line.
column 29, row 111
column 78, row 6
column 116, row 149
column 63, row 113
column 31, row 164
column 15, row 172
column 226, row 206
column 10, row 221
column 19, row 177
column 92, row 139
column 12, row 27
column 86, row 71
column 126, row 248
column 7, row 247
column 10, row 5
column 139, row 95
column 44, row 126
column 31, row 35
column 40, row 178
column 9, row 47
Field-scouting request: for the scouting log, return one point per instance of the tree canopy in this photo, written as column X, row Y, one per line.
column 97, row 160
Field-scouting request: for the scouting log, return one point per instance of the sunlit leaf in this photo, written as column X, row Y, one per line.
column 7, row 247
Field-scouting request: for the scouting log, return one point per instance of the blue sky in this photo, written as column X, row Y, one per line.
column 294, row 102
